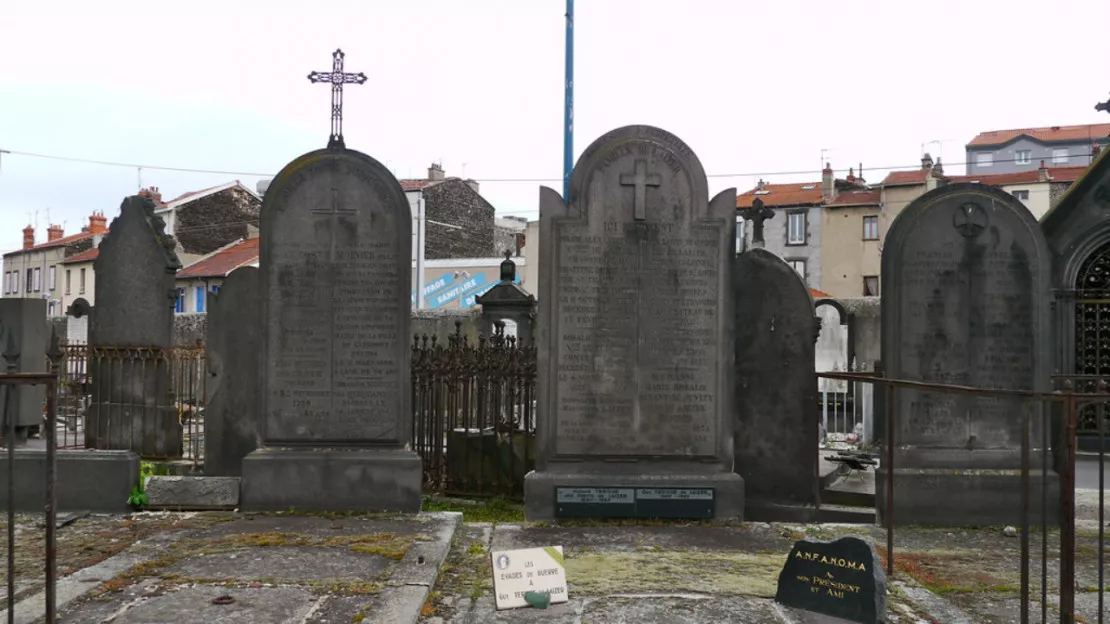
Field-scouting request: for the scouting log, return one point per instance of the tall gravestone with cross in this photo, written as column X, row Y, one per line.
column 635, row 379
column 965, row 301
column 334, row 269
column 757, row 213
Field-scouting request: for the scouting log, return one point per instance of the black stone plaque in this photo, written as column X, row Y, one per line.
column 627, row 502
column 842, row 578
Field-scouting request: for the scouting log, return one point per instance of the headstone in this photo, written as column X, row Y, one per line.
column 832, row 349
column 842, row 578
column 23, row 323
column 132, row 404
column 334, row 271
column 635, row 379
column 77, row 321
column 965, row 301
column 516, row 573
column 775, row 434
column 509, row 304
column 234, row 340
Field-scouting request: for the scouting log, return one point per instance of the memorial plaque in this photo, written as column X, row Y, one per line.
column 600, row 502
column 335, row 279
column 965, row 302
column 638, row 281
column 517, row 572
column 634, row 334
column 842, row 578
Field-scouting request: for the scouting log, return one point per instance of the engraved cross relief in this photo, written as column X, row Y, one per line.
column 640, row 179
column 334, row 212
column 969, row 219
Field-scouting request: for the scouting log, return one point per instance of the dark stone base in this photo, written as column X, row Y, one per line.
column 760, row 511
column 948, row 497
column 539, row 489
column 97, row 481
column 331, row 479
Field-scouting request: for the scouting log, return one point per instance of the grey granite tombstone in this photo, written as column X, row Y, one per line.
column 132, row 402
column 635, row 379
column 335, row 267
column 233, row 338
column 775, row 434
column 965, row 301
column 24, row 321
column 508, row 302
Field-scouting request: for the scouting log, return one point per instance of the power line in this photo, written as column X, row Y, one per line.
column 489, row 180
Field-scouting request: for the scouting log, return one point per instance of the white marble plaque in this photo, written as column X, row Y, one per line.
column 516, row 572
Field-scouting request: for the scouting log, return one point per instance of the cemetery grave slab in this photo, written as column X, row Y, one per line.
column 334, row 565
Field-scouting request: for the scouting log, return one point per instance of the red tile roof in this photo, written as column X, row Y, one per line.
column 1054, row 133
column 1032, row 176
column 905, row 178
column 817, row 294
column 85, row 256
column 223, row 262
column 805, row 193
column 856, row 198
column 416, row 185
column 65, row 240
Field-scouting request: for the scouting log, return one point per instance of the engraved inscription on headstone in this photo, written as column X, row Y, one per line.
column 965, row 273
column 335, row 271
column 842, row 578
column 635, row 324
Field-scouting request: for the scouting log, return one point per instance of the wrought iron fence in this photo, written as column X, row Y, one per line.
column 847, row 410
column 473, row 406
column 147, row 399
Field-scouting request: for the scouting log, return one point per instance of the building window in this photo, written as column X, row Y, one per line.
column 38, row 280
column 796, row 228
column 1059, row 155
column 53, row 281
column 179, row 305
column 200, row 299
column 7, row 282
column 69, row 281
column 984, row 160
column 1023, row 157
column 1022, row 195
column 870, row 285
column 28, row 284
column 740, row 240
column 799, row 267
column 81, row 284
column 871, row 227
column 215, row 290
column 15, row 282
column 50, row 309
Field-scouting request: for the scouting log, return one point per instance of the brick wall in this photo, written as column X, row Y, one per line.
column 211, row 222
column 454, row 202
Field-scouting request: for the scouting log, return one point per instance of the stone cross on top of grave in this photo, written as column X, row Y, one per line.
column 640, row 179
column 1103, row 106
column 337, row 78
column 757, row 213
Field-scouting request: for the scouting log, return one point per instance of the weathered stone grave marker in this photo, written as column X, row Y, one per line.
column 842, row 578
column 132, row 404
column 334, row 271
column 775, row 433
column 23, row 322
column 635, row 338
column 965, row 301
column 234, row 337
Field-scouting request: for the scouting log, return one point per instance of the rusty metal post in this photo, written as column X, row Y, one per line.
column 890, row 392
column 1025, row 443
column 1067, row 515
column 11, row 357
column 55, row 356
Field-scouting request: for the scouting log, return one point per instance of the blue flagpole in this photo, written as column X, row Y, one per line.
column 568, row 105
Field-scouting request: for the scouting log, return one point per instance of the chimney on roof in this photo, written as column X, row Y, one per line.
column 28, row 237
column 435, row 172
column 938, row 169
column 153, row 193
column 851, row 174
column 828, row 184
column 759, row 186
column 926, row 162
column 859, row 178
column 54, row 232
column 98, row 223
column 1042, row 173
column 473, row 184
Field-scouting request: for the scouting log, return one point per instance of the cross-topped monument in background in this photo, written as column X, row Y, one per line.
column 757, row 213
column 337, row 78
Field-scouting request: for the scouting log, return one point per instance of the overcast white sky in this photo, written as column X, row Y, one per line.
column 753, row 87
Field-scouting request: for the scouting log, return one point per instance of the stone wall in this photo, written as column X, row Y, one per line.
column 441, row 323
column 454, row 202
column 188, row 328
column 868, row 329
column 206, row 224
